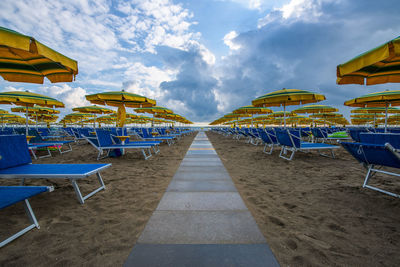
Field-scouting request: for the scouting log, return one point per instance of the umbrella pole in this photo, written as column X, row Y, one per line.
column 26, row 121
column 252, row 120
column 284, row 115
column 386, row 115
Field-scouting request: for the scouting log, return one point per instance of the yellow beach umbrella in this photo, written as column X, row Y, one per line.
column 287, row 97
column 378, row 99
column 315, row 109
column 252, row 110
column 94, row 110
column 154, row 110
column 24, row 59
column 121, row 99
column 28, row 99
column 379, row 65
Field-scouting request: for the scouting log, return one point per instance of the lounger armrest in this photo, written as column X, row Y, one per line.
column 392, row 150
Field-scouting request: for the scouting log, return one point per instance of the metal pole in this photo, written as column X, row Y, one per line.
column 26, row 122
column 284, row 115
column 386, row 115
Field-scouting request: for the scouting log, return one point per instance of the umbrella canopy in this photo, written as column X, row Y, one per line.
column 281, row 114
column 286, row 97
column 375, row 110
column 24, row 59
column 252, row 110
column 367, row 115
column 121, row 99
column 379, row 65
column 378, row 99
column 2, row 111
column 154, row 110
column 93, row 110
column 326, row 115
column 36, row 110
column 28, row 99
column 316, row 109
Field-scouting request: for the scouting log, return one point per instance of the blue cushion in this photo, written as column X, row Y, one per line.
column 10, row 195
column 372, row 154
column 381, row 139
column 13, row 151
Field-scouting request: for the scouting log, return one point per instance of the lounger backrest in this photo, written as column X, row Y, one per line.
column 372, row 154
column 13, row 151
column 284, row 137
column 104, row 138
column 355, row 133
column 381, row 139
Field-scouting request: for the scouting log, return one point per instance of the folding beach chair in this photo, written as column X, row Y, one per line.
column 290, row 140
column 374, row 157
column 38, row 140
column 103, row 142
column 10, row 195
column 15, row 163
column 268, row 136
column 146, row 136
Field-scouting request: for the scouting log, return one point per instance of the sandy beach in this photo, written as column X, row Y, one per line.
column 101, row 232
column 312, row 210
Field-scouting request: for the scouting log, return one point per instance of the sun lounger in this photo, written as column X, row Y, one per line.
column 15, row 163
column 10, row 195
column 103, row 142
column 38, row 140
column 291, row 141
column 33, row 147
column 144, row 134
column 374, row 156
column 269, row 138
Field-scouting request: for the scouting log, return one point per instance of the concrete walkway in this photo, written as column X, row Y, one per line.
column 201, row 219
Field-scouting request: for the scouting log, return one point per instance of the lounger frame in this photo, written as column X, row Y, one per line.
column 72, row 177
column 32, row 219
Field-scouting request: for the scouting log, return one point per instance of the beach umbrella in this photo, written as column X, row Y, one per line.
column 287, row 97
column 94, row 110
column 28, row 99
column 310, row 109
column 252, row 110
column 154, row 110
column 36, row 111
column 384, row 99
column 121, row 99
column 24, row 59
column 376, row 66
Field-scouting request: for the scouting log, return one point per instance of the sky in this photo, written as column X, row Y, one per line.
column 204, row 58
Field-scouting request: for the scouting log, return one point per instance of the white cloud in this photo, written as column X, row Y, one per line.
column 229, row 40
column 146, row 81
column 295, row 10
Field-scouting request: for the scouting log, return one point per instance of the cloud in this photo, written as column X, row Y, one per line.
column 300, row 47
column 229, row 40
column 193, row 85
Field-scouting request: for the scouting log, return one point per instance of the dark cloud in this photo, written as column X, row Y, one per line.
column 304, row 53
column 194, row 83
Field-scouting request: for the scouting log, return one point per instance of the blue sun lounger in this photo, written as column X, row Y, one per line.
column 16, row 163
column 269, row 138
column 104, row 142
column 374, row 156
column 291, row 141
column 10, row 195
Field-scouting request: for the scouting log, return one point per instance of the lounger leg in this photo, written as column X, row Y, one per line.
column 48, row 154
column 144, row 154
column 156, row 150
column 65, row 151
column 284, row 151
column 79, row 194
column 32, row 219
column 33, row 153
column 271, row 149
